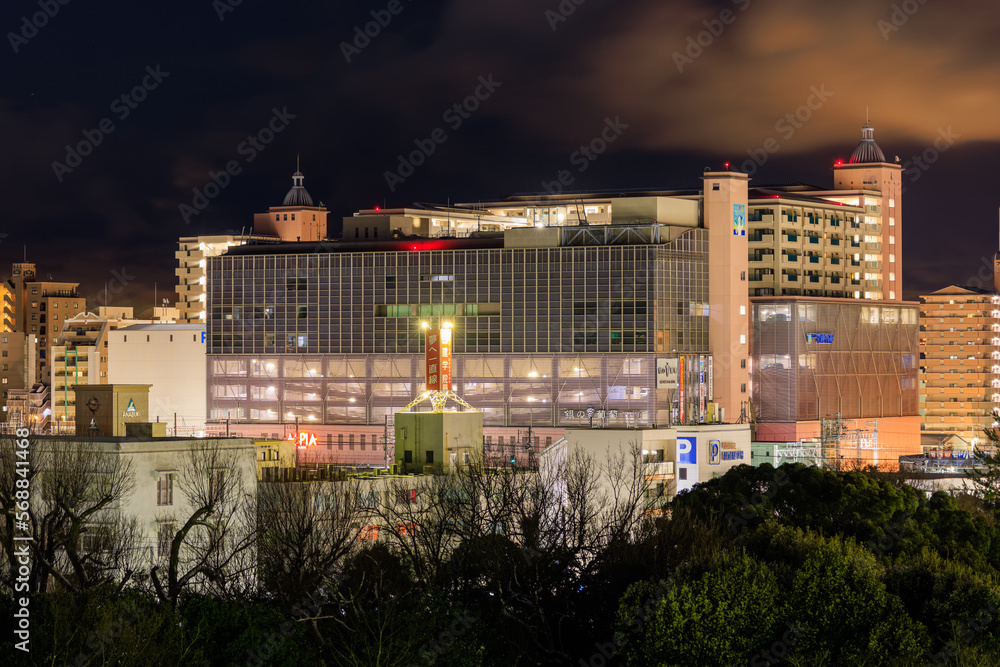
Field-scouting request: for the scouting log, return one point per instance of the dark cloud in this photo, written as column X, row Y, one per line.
column 562, row 76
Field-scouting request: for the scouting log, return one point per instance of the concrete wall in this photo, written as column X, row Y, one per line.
column 172, row 360
column 729, row 324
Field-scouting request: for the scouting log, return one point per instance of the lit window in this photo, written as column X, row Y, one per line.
column 743, row 339
column 892, row 239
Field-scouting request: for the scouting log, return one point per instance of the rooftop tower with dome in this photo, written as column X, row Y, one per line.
column 879, row 183
column 297, row 219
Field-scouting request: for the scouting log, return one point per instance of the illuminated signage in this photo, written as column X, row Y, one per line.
column 819, row 338
column 739, row 219
column 680, row 377
column 714, row 452
column 666, row 373
column 687, row 450
column 130, row 410
column 437, row 357
column 302, row 440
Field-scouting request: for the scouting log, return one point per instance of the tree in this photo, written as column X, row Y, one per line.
column 81, row 539
column 305, row 530
column 213, row 549
column 985, row 472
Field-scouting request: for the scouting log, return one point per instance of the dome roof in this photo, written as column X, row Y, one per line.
column 867, row 150
column 298, row 195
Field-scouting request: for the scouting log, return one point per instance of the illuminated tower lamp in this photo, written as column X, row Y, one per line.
column 438, row 369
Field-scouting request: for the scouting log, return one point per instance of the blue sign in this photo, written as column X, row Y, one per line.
column 687, row 450
column 202, row 336
column 714, row 452
column 819, row 338
column 739, row 219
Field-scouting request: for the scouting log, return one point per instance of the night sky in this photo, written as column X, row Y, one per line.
column 687, row 84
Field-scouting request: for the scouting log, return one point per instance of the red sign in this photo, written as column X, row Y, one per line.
column 446, row 359
column 303, row 440
column 432, row 359
column 437, row 357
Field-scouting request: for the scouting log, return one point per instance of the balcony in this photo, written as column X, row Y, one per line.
column 765, row 261
column 662, row 469
column 760, row 240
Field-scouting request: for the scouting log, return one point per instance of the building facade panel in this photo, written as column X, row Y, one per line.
column 815, row 358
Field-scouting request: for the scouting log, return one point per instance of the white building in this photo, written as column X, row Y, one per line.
column 171, row 358
column 158, row 500
column 708, row 451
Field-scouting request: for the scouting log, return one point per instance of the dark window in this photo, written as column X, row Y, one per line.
column 408, row 456
column 429, row 456
column 682, row 473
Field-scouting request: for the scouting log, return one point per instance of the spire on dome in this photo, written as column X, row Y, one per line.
column 867, row 150
column 298, row 195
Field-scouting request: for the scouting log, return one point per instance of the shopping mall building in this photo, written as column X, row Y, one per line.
column 596, row 310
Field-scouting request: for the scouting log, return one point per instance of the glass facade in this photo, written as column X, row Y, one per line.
column 553, row 336
column 813, row 358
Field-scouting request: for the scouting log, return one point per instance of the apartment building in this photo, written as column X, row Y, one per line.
column 960, row 363
column 192, row 253
column 40, row 307
column 806, row 240
column 80, row 355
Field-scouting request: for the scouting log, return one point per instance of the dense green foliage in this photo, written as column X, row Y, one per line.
column 762, row 566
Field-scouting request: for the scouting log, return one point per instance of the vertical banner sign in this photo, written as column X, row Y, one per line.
column 432, row 359
column 680, row 377
column 446, row 359
column 739, row 219
column 711, row 396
